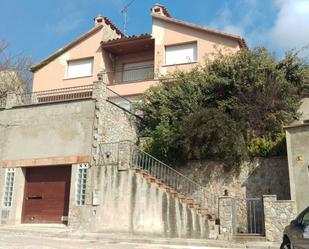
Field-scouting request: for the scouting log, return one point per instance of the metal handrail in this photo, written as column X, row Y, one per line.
column 128, row 154
column 121, row 69
column 129, row 75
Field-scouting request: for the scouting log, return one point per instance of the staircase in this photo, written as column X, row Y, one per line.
column 127, row 156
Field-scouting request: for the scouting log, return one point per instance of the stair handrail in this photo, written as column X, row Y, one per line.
column 135, row 157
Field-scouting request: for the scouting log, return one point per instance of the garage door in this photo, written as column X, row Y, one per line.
column 46, row 197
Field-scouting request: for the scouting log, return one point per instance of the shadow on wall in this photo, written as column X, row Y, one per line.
column 259, row 177
column 270, row 177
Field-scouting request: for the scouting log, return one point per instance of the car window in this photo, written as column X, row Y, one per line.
column 305, row 220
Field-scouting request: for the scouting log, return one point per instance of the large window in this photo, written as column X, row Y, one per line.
column 138, row 71
column 179, row 54
column 8, row 187
column 80, row 68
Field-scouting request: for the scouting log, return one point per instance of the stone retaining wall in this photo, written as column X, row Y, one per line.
column 262, row 176
column 277, row 214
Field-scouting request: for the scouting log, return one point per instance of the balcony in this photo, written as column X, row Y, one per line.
column 131, row 64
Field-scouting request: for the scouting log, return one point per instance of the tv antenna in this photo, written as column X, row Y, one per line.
column 124, row 11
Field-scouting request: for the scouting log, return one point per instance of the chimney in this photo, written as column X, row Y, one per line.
column 98, row 20
column 159, row 9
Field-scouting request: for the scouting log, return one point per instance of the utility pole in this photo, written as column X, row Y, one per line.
column 124, row 11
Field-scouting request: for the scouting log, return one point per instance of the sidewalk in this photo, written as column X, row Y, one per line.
column 59, row 231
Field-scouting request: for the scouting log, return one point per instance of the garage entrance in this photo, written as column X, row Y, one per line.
column 46, row 196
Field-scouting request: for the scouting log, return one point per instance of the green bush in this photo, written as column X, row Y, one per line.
column 210, row 112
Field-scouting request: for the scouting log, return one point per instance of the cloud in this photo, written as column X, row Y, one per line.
column 291, row 28
column 248, row 11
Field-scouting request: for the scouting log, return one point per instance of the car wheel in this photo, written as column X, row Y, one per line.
column 286, row 244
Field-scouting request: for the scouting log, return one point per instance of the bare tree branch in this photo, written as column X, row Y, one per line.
column 14, row 71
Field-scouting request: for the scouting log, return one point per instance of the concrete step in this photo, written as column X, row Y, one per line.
column 242, row 238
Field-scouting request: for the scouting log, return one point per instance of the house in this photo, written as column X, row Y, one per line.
column 131, row 64
column 67, row 152
column 297, row 137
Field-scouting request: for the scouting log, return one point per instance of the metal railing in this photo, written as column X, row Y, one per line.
column 122, row 102
column 55, row 95
column 119, row 100
column 129, row 75
column 126, row 154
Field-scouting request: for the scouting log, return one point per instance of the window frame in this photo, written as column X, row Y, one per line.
column 195, row 60
column 76, row 60
column 140, row 65
column 81, row 186
column 8, row 194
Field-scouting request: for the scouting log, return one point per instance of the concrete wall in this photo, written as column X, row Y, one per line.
column 129, row 204
column 298, row 154
column 12, row 215
column 47, row 131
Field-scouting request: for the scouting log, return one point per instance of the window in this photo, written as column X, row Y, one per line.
column 80, row 68
column 305, row 219
column 138, row 71
column 179, row 54
column 8, row 187
column 81, row 184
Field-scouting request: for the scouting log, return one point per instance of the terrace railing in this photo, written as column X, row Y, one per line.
column 55, row 95
column 129, row 75
column 125, row 155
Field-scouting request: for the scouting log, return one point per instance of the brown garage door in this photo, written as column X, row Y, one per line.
column 46, row 197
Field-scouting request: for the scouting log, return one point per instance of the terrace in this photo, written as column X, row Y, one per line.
column 131, row 64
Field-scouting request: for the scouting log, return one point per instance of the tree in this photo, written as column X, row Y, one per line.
column 223, row 109
column 14, row 72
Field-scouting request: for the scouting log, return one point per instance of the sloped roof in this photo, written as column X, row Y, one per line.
column 129, row 44
column 128, row 38
column 74, row 43
column 241, row 41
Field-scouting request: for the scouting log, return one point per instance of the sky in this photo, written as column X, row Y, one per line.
column 37, row 28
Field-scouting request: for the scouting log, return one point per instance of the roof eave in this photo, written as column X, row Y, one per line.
column 62, row 50
column 241, row 41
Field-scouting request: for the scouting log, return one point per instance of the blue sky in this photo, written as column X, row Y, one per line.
column 37, row 28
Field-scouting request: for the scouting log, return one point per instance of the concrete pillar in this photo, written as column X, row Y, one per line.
column 100, row 95
column 226, row 216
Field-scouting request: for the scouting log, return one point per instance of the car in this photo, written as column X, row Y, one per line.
column 296, row 235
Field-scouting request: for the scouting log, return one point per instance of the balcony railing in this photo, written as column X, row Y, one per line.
column 129, row 75
column 55, row 95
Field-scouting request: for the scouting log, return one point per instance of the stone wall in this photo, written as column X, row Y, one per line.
column 256, row 178
column 226, row 216
column 277, row 214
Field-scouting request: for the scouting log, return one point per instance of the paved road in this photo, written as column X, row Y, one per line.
column 10, row 240
column 61, row 237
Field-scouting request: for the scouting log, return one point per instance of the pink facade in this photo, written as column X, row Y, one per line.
column 132, row 64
